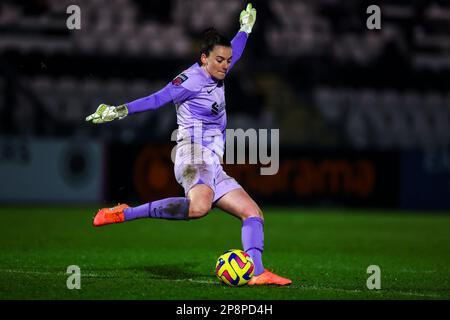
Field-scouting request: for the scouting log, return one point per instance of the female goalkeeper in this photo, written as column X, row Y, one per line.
column 199, row 96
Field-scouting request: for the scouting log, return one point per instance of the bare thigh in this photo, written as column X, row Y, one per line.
column 238, row 203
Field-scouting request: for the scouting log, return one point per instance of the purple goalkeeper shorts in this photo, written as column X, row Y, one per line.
column 195, row 164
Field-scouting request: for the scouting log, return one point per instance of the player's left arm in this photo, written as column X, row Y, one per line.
column 247, row 19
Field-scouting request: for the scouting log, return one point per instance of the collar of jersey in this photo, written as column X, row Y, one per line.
column 206, row 75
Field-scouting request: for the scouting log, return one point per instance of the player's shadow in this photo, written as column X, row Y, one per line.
column 174, row 271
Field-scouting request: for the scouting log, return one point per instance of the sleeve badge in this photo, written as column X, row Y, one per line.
column 179, row 79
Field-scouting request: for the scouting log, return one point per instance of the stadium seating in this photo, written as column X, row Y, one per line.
column 370, row 89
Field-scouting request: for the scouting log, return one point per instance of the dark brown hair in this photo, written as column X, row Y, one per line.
column 210, row 39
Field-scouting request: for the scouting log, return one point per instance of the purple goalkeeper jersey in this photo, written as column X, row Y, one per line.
column 199, row 101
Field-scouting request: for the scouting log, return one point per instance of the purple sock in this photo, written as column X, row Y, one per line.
column 169, row 208
column 253, row 241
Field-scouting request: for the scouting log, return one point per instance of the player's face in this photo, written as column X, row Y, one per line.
column 217, row 62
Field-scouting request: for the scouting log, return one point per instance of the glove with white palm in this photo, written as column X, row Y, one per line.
column 247, row 19
column 106, row 113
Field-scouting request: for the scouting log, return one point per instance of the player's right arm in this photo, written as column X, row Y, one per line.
column 175, row 92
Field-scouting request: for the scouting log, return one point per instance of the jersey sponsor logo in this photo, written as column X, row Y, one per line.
column 179, row 79
column 216, row 109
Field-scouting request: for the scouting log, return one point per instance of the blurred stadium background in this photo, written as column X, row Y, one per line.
column 364, row 115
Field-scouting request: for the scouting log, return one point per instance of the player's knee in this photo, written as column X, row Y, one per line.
column 199, row 209
column 201, row 197
column 252, row 211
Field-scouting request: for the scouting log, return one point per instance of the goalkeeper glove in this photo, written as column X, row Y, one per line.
column 106, row 113
column 247, row 19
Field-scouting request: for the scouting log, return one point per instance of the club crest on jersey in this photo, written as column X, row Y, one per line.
column 179, row 79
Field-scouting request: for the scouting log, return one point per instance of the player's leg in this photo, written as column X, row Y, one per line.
column 197, row 179
column 176, row 208
column 238, row 203
column 196, row 205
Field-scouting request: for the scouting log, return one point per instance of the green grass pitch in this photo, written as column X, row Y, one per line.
column 325, row 252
